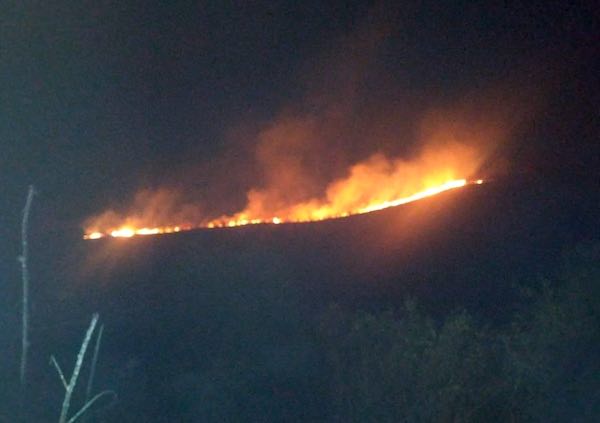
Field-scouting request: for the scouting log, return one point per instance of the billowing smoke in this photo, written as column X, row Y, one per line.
column 149, row 209
column 353, row 140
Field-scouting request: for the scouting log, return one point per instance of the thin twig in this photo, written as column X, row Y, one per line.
column 75, row 375
column 25, row 279
column 89, row 403
column 88, row 391
column 60, row 372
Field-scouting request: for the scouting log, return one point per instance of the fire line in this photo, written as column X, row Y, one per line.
column 128, row 231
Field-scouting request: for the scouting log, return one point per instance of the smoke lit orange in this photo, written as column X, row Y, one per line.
column 287, row 192
column 303, row 215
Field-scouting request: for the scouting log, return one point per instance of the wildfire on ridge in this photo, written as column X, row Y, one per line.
column 318, row 213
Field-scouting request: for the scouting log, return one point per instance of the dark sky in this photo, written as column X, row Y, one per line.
column 100, row 99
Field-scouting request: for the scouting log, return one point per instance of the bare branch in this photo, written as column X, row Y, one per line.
column 59, row 370
column 25, row 279
column 88, row 391
column 89, row 403
column 75, row 375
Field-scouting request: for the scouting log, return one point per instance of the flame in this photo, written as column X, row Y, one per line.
column 303, row 215
column 373, row 184
column 306, row 166
column 131, row 231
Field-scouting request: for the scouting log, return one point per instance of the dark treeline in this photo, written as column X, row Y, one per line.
column 402, row 365
column 263, row 359
column 259, row 351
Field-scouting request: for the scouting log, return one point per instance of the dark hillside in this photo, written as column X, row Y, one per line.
column 464, row 247
column 227, row 317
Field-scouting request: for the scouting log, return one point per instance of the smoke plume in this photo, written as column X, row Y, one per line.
column 357, row 137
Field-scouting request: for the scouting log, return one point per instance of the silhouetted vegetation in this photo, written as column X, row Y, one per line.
column 401, row 365
column 256, row 351
column 269, row 360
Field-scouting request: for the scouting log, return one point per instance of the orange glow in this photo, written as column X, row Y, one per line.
column 373, row 184
column 123, row 233
column 129, row 231
column 318, row 214
column 418, row 196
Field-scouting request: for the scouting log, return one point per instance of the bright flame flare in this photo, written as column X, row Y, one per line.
column 318, row 214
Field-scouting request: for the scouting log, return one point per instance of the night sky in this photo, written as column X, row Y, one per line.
column 103, row 99
column 205, row 101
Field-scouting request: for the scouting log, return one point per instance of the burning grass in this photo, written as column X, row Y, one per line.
column 302, row 213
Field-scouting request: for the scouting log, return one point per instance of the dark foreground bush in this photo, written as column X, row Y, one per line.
column 401, row 366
